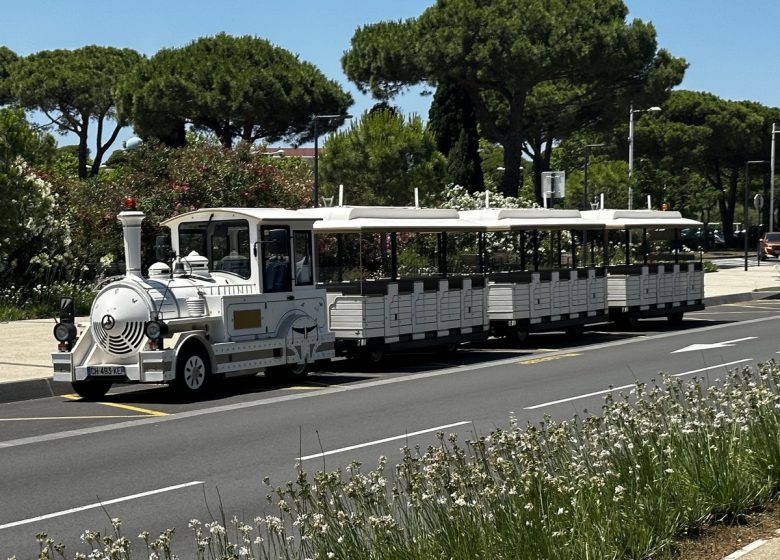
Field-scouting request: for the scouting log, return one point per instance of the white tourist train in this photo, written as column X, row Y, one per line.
column 268, row 290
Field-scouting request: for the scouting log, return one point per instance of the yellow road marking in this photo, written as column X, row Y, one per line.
column 306, row 387
column 68, row 417
column 545, row 359
column 146, row 411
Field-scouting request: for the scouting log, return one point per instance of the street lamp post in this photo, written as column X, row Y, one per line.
column 775, row 130
column 747, row 192
column 315, row 195
column 585, row 203
column 631, row 112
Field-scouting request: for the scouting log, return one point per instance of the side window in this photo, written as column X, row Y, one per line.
column 230, row 247
column 275, row 251
column 303, row 258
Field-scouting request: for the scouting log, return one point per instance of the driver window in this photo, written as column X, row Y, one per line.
column 275, row 243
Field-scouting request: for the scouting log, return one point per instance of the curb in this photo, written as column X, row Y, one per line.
column 13, row 391
column 735, row 298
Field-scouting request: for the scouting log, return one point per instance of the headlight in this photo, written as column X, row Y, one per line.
column 155, row 330
column 65, row 332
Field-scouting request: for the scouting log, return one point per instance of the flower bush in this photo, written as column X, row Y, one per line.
column 660, row 459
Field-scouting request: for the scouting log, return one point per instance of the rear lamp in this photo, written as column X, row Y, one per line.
column 65, row 332
column 155, row 330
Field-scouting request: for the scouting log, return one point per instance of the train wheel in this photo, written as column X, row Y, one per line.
column 575, row 331
column 91, row 389
column 519, row 335
column 193, row 371
column 675, row 318
column 376, row 356
column 627, row 321
column 298, row 371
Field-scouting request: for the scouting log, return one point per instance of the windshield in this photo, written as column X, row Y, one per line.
column 224, row 243
column 773, row 237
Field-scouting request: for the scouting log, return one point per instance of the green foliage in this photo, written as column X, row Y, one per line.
column 381, row 159
column 235, row 87
column 704, row 142
column 168, row 181
column 454, row 124
column 73, row 89
column 521, row 62
column 35, row 242
column 7, row 57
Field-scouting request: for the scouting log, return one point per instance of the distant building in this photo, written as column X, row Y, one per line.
column 303, row 153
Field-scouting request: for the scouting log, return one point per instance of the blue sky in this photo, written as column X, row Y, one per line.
column 732, row 47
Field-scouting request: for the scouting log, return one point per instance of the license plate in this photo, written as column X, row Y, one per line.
column 106, row 370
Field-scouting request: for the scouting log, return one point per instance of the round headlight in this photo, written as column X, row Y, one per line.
column 155, row 330
column 64, row 332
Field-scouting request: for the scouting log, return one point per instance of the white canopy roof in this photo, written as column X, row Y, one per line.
column 257, row 215
column 622, row 219
column 514, row 219
column 345, row 219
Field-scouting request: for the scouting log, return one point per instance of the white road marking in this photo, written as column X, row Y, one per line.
column 100, row 504
column 604, row 392
column 744, row 550
column 385, row 440
column 710, row 346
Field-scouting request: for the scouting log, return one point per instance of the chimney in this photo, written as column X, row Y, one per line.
column 131, row 226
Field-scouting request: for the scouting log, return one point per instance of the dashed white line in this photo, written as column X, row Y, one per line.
column 605, row 391
column 99, row 504
column 385, row 440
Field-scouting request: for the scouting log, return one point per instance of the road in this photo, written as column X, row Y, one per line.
column 157, row 462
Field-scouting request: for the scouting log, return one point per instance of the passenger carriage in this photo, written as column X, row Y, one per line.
column 650, row 274
column 553, row 278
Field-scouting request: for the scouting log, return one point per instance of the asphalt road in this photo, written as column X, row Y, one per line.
column 156, row 462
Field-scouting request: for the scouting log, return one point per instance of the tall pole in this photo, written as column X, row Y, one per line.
column 585, row 203
column 315, row 195
column 772, row 181
column 747, row 193
column 630, row 155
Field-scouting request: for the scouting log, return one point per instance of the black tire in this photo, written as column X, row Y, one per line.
column 286, row 372
column 193, row 371
column 575, row 331
column 628, row 321
column 675, row 318
column 518, row 335
column 91, row 389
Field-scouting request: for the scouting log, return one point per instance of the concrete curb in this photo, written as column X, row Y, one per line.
column 13, row 391
column 735, row 298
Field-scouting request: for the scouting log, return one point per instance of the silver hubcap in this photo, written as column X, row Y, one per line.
column 194, row 373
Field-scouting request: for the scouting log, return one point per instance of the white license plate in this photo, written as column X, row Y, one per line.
column 106, row 370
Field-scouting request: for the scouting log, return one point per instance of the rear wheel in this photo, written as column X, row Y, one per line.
column 91, row 389
column 575, row 331
column 518, row 335
column 193, row 371
column 676, row 317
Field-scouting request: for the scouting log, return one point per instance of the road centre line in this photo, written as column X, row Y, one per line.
column 234, row 407
column 145, row 411
column 100, row 504
column 632, row 385
column 385, row 440
column 69, row 417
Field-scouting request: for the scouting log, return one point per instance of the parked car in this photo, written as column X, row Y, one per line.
column 769, row 245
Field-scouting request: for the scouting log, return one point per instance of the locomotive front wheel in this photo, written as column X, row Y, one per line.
column 91, row 389
column 192, row 371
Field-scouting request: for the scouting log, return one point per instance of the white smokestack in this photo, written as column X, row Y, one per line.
column 131, row 227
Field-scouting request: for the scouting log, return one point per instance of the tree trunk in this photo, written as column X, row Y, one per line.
column 513, row 157
column 83, row 152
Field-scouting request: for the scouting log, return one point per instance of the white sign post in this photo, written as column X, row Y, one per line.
column 554, row 185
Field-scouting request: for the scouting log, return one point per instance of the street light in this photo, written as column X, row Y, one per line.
column 316, row 190
column 631, row 112
column 772, row 181
column 585, row 178
column 747, row 189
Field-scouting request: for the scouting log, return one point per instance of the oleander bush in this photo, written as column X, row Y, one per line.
column 662, row 459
